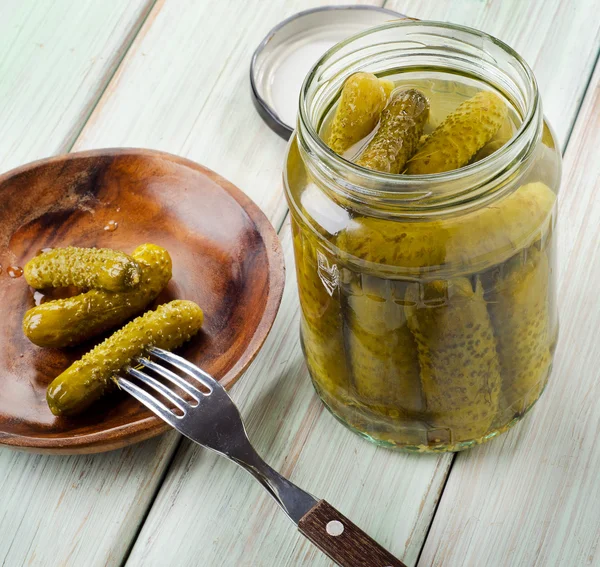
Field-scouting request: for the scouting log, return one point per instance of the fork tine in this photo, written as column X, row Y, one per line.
column 188, row 388
column 158, row 387
column 149, row 401
column 181, row 363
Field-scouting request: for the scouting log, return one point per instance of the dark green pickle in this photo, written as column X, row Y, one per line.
column 86, row 380
column 400, row 128
column 73, row 320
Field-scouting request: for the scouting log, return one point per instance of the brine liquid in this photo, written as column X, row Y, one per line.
column 427, row 366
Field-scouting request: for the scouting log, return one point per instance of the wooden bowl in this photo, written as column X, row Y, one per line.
column 226, row 257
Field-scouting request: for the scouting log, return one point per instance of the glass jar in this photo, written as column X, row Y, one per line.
column 428, row 301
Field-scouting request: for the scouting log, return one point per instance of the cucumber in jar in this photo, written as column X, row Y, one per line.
column 460, row 370
column 363, row 98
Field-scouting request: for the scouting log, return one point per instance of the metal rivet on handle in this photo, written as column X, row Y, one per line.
column 334, row 528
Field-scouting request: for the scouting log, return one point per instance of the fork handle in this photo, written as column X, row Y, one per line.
column 342, row 541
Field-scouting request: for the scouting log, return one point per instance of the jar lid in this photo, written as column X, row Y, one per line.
column 288, row 52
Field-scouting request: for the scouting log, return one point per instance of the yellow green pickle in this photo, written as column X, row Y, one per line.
column 401, row 126
column 518, row 305
column 487, row 150
column 384, row 366
column 73, row 320
column 93, row 268
column 460, row 371
column 502, row 136
column 461, row 135
column 363, row 98
column 86, row 380
column 321, row 324
column 476, row 240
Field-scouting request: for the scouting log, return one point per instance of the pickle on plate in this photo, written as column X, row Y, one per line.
column 70, row 321
column 518, row 305
column 321, row 321
column 461, row 135
column 400, row 128
column 361, row 102
column 89, row 378
column 93, row 268
column 384, row 366
column 460, row 371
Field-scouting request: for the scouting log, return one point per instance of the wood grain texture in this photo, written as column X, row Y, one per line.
column 226, row 258
column 184, row 88
column 342, row 540
column 533, row 497
column 56, row 59
column 558, row 38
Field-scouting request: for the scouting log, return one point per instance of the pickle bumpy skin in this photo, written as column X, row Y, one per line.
column 460, row 371
column 401, row 126
column 470, row 242
column 67, row 322
column 518, row 305
column 461, row 135
column 361, row 102
column 95, row 268
column 383, row 243
column 89, row 378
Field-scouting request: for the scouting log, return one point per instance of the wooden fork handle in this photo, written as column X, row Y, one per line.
column 341, row 540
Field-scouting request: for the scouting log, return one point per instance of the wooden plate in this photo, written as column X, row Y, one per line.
column 226, row 257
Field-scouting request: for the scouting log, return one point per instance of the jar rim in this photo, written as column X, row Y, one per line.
column 498, row 161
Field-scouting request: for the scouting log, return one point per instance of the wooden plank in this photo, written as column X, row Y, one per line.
column 55, row 61
column 559, row 39
column 533, row 497
column 184, row 88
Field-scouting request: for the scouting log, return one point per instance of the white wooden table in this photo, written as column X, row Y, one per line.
column 173, row 75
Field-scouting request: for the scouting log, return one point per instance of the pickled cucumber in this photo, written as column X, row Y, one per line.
column 381, row 243
column 361, row 102
column 321, row 321
column 383, row 356
column 471, row 242
column 89, row 378
column 502, row 136
column 401, row 126
column 461, row 135
column 487, row 150
column 94, row 268
column 518, row 305
column 66, row 322
column 460, row 371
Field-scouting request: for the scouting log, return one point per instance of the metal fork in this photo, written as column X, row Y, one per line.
column 212, row 420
